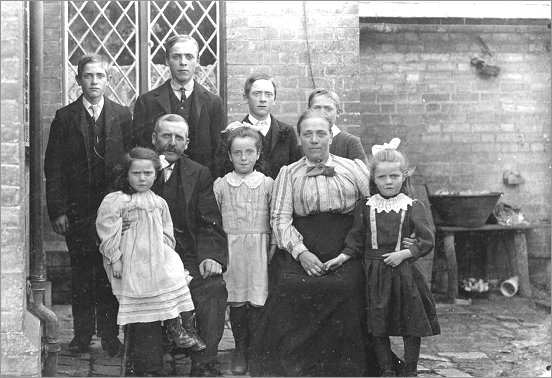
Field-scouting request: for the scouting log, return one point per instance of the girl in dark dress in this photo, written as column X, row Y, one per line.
column 398, row 299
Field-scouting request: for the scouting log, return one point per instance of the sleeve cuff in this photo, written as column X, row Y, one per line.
column 297, row 250
column 116, row 256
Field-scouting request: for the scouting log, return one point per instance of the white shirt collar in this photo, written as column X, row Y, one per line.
column 188, row 88
column 87, row 105
column 255, row 121
column 252, row 180
column 335, row 130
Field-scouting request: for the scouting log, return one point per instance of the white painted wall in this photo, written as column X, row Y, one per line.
column 462, row 9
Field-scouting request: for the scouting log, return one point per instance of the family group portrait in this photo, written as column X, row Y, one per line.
column 276, row 188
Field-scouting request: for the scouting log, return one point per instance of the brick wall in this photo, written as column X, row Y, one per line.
column 460, row 130
column 20, row 337
column 272, row 37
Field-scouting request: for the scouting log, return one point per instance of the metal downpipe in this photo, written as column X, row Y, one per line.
column 37, row 261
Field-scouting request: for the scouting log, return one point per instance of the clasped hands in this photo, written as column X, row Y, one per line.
column 314, row 267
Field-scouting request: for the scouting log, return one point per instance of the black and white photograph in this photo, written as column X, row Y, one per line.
column 276, row 188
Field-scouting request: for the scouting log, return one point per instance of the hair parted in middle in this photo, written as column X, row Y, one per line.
column 176, row 39
column 258, row 76
column 242, row 132
column 327, row 93
column 307, row 114
column 122, row 169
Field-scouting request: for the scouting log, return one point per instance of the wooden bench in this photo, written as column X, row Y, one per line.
column 517, row 255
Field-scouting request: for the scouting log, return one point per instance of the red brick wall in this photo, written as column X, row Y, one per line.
column 462, row 131
column 270, row 37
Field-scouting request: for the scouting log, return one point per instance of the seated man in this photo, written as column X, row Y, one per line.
column 201, row 243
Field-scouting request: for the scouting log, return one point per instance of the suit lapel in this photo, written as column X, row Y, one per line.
column 187, row 180
column 81, row 122
column 162, row 96
column 275, row 132
column 198, row 100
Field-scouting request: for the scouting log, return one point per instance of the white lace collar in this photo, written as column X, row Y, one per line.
column 252, row 180
column 396, row 204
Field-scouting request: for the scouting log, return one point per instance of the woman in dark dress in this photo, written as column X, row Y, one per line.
column 313, row 323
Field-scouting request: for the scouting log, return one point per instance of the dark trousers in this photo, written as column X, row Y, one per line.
column 210, row 299
column 94, row 305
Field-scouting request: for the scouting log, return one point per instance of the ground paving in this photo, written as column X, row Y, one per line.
column 491, row 337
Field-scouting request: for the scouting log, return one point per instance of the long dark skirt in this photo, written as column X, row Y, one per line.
column 314, row 326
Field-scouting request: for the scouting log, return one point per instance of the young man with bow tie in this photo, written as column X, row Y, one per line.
column 87, row 139
column 279, row 139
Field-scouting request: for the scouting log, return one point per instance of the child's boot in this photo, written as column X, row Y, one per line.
column 188, row 325
column 176, row 333
column 238, row 320
column 411, row 369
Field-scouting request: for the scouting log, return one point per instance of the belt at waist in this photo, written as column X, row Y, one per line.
column 237, row 231
column 375, row 254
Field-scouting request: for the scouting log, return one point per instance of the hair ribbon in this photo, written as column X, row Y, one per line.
column 392, row 145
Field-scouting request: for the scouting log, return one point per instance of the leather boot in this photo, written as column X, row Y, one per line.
column 238, row 320
column 388, row 370
column 411, row 369
column 188, row 320
column 176, row 333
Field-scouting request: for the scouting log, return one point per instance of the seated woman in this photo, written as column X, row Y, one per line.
column 313, row 323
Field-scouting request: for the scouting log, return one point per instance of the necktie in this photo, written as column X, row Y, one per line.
column 167, row 171
column 182, row 94
column 320, row 169
column 94, row 109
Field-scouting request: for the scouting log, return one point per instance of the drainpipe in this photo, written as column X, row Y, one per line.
column 50, row 345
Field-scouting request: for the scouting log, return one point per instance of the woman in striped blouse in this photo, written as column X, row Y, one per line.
column 313, row 323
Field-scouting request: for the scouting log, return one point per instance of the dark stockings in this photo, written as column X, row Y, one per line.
column 384, row 355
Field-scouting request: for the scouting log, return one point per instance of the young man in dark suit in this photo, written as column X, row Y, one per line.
column 87, row 139
column 279, row 139
column 343, row 144
column 184, row 96
column 201, row 243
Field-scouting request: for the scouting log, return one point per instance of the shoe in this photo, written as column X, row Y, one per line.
column 112, row 345
column 411, row 369
column 79, row 344
column 204, row 370
column 177, row 333
column 398, row 365
column 188, row 318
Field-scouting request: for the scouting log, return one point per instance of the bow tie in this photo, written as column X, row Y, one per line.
column 320, row 169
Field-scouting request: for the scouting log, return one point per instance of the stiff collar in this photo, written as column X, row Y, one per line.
column 264, row 128
column 188, row 88
column 400, row 202
column 328, row 162
column 87, row 105
column 252, row 180
column 335, row 130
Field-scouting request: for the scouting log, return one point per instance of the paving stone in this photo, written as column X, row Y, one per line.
column 464, row 355
column 451, row 373
column 433, row 358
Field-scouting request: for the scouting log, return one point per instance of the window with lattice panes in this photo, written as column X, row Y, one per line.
column 114, row 29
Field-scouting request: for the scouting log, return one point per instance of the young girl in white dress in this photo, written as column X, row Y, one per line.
column 146, row 274
column 244, row 197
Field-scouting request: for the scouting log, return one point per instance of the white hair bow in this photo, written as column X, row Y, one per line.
column 164, row 162
column 236, row 124
column 393, row 145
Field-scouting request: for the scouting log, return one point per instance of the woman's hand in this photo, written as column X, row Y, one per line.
column 312, row 265
column 126, row 225
column 271, row 252
column 409, row 242
column 117, row 268
column 394, row 259
column 336, row 262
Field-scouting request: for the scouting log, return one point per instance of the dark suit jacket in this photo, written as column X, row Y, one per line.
column 200, row 235
column 284, row 149
column 67, row 160
column 208, row 120
column 348, row 146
